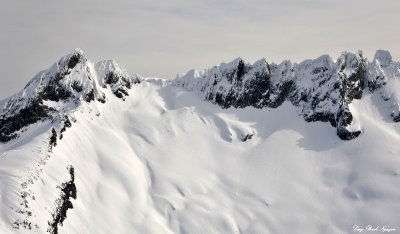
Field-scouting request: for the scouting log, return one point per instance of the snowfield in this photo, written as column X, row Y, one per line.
column 165, row 161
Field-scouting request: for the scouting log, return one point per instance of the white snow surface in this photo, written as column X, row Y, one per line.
column 165, row 161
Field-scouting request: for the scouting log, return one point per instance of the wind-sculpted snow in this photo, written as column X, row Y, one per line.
column 321, row 89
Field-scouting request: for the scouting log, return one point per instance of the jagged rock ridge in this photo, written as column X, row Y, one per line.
column 321, row 88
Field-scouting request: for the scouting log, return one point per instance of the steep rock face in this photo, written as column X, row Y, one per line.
column 10, row 124
column 321, row 88
column 239, row 84
column 324, row 89
column 351, row 79
column 383, row 77
column 60, row 89
column 115, row 77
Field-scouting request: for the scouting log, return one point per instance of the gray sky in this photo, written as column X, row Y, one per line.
column 162, row 38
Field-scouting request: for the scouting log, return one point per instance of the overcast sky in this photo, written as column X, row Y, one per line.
column 162, row 38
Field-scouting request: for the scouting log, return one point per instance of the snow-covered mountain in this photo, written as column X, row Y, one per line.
column 321, row 89
column 237, row 148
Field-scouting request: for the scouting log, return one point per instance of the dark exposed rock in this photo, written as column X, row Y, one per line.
column 102, row 99
column 355, row 83
column 35, row 110
column 90, row 96
column 54, row 93
column 251, row 92
column 68, row 191
column 383, row 75
column 396, row 118
column 282, row 92
column 120, row 93
column 320, row 88
column 343, row 119
column 241, row 69
column 53, row 138
column 350, row 88
column 31, row 114
column 77, row 87
column 74, row 59
column 111, row 78
column 54, row 90
column 247, row 137
column 376, row 83
column 377, row 78
column 322, row 117
column 67, row 124
column 249, row 86
column 345, row 134
column 70, row 80
column 119, row 84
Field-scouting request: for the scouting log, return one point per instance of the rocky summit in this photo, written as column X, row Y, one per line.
column 71, row 80
column 321, row 89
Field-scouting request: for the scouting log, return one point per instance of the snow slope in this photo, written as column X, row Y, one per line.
column 163, row 160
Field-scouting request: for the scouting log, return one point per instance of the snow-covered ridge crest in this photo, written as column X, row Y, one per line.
column 72, row 75
column 321, row 88
column 384, row 78
column 116, row 77
column 67, row 83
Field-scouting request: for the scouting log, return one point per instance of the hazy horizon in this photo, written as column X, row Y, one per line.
column 154, row 38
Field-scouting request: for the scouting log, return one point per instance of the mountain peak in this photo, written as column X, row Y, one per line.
column 70, row 61
column 384, row 57
column 321, row 88
column 72, row 78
